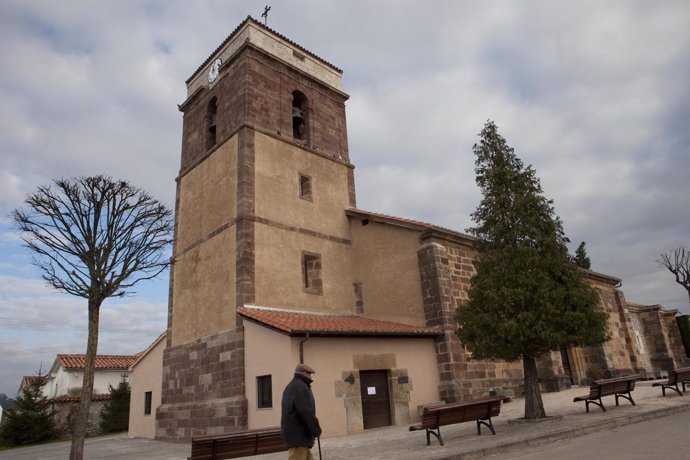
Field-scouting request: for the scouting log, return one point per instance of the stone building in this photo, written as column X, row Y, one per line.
column 658, row 339
column 274, row 264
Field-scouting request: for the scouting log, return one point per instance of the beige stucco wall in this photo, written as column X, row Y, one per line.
column 272, row 353
column 289, row 225
column 385, row 262
column 208, row 196
column 278, row 165
column 204, row 289
column 266, row 353
column 278, row 275
column 204, row 277
column 147, row 375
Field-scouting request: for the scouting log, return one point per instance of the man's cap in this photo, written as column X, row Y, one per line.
column 303, row 368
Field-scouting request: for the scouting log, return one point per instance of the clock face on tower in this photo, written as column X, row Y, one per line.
column 214, row 70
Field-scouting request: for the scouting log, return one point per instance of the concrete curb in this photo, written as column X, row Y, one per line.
column 558, row 435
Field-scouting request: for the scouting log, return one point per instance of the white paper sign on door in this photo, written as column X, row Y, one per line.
column 371, row 390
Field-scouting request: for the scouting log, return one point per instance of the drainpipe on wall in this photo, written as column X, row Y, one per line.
column 301, row 349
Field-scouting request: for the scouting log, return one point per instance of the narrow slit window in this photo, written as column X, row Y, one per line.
column 264, row 390
column 211, row 123
column 147, row 402
column 305, row 187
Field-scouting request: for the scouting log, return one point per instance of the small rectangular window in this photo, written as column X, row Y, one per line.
column 311, row 273
column 305, row 187
column 264, row 397
column 147, row 403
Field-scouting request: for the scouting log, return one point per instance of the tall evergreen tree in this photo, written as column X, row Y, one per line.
column 527, row 297
column 115, row 412
column 581, row 259
column 30, row 420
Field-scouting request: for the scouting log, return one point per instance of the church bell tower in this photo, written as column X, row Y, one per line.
column 264, row 180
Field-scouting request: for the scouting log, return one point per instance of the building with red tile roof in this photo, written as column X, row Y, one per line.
column 299, row 324
column 67, row 373
column 27, row 379
column 274, row 265
column 117, row 362
column 62, row 384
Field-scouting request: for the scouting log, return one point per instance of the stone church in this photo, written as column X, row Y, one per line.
column 274, row 265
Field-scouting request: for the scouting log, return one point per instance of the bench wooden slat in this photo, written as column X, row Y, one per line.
column 675, row 377
column 620, row 387
column 480, row 410
column 239, row 444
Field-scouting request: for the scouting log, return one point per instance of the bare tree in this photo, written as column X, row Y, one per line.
column 94, row 237
column 678, row 263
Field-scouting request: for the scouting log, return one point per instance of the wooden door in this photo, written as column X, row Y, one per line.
column 376, row 405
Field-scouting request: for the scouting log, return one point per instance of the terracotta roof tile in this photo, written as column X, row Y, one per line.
column 68, row 398
column 300, row 323
column 27, row 379
column 102, row 361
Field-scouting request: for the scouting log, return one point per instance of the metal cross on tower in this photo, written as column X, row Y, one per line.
column 265, row 14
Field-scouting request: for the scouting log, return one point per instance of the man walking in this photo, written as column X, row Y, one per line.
column 298, row 423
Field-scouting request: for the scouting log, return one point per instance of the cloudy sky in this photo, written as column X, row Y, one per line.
column 593, row 94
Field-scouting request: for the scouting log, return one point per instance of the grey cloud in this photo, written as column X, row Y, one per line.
column 594, row 95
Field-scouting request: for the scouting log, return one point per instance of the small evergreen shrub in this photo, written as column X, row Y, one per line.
column 31, row 420
column 115, row 412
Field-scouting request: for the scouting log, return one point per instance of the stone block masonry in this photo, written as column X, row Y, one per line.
column 203, row 388
column 256, row 90
column 445, row 269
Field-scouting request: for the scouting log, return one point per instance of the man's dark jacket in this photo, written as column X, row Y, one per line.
column 298, row 423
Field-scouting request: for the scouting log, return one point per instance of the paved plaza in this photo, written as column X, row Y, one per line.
column 567, row 420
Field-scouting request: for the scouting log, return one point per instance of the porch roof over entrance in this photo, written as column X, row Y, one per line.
column 300, row 323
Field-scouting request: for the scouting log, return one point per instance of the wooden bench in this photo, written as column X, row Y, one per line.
column 676, row 376
column 480, row 410
column 239, row 444
column 621, row 387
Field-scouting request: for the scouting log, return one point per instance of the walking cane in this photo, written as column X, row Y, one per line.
column 319, row 443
